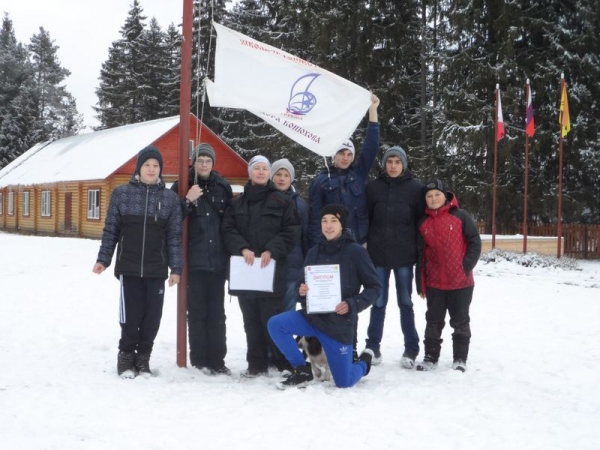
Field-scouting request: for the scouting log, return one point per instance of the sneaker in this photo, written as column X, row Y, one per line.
column 142, row 364
column 367, row 356
column 377, row 357
column 285, row 373
column 126, row 365
column 460, row 364
column 428, row 364
column 254, row 373
column 223, row 370
column 300, row 377
column 407, row 361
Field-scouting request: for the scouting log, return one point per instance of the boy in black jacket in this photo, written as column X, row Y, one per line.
column 144, row 219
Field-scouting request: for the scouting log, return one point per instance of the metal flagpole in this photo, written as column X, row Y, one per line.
column 184, row 137
column 560, row 171
column 527, row 100
column 495, row 169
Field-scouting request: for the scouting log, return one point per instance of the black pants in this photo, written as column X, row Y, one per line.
column 141, row 310
column 457, row 303
column 256, row 312
column 206, row 319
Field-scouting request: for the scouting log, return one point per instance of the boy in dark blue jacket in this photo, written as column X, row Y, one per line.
column 144, row 220
column 334, row 330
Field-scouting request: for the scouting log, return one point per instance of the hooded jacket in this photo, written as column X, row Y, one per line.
column 144, row 222
column 206, row 249
column 395, row 207
column 449, row 247
column 356, row 271
column 345, row 187
column 260, row 219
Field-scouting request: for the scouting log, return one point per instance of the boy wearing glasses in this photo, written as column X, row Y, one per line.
column 205, row 203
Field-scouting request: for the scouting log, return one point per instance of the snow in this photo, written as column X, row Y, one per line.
column 92, row 156
column 531, row 383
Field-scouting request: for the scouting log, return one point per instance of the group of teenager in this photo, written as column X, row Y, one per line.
column 369, row 229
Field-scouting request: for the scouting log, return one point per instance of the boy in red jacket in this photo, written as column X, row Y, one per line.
column 449, row 247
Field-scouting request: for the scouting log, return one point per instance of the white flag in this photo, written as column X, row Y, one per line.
column 312, row 106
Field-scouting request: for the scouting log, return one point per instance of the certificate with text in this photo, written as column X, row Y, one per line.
column 243, row 277
column 324, row 288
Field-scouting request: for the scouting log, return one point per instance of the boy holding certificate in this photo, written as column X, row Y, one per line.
column 335, row 330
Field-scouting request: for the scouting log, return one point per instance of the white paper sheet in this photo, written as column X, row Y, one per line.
column 243, row 277
column 324, row 289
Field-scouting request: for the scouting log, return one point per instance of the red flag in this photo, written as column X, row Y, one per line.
column 529, row 124
column 500, row 121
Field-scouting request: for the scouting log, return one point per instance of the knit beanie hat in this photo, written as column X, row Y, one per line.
column 436, row 184
column 204, row 149
column 255, row 160
column 339, row 211
column 146, row 153
column 395, row 151
column 283, row 164
column 347, row 145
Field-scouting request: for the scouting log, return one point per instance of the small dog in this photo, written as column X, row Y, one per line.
column 311, row 347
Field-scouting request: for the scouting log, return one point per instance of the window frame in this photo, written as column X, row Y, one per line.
column 26, row 204
column 96, row 207
column 11, row 203
column 46, row 204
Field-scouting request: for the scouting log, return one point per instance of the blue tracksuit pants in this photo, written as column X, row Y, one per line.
column 284, row 326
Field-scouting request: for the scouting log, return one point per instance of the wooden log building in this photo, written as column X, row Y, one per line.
column 62, row 188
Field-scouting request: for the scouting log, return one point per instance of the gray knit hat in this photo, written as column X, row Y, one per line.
column 395, row 151
column 257, row 159
column 146, row 153
column 436, row 184
column 283, row 163
column 204, row 149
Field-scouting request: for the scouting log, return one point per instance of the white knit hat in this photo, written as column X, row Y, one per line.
column 257, row 159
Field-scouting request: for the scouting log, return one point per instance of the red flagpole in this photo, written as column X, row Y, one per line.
column 560, row 171
column 527, row 97
column 184, row 137
column 495, row 169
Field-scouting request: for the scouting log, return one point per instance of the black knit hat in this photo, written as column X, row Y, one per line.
column 436, row 184
column 146, row 153
column 339, row 211
column 204, row 149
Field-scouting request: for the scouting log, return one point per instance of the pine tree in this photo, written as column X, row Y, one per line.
column 153, row 72
column 172, row 80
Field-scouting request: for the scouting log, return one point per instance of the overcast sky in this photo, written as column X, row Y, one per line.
column 84, row 30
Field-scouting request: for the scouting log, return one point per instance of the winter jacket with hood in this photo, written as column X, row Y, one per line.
column 144, row 222
column 449, row 246
column 345, row 187
column 356, row 271
column 206, row 249
column 260, row 219
column 395, row 207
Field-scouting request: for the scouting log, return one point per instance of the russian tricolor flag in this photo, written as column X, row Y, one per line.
column 529, row 125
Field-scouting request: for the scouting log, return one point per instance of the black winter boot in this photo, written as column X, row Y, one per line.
column 300, row 377
column 142, row 364
column 367, row 356
column 126, row 365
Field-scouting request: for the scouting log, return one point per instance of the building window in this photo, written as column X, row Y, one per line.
column 25, row 203
column 46, row 204
column 11, row 203
column 93, row 204
column 1, row 203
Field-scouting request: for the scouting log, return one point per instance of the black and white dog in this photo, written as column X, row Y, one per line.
column 312, row 349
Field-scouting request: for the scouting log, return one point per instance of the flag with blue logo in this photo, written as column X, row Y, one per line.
column 310, row 105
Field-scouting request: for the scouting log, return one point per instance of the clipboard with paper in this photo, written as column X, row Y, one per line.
column 324, row 288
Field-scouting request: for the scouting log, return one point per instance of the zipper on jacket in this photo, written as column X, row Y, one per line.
column 144, row 232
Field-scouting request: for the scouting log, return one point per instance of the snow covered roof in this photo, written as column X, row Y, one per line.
column 92, row 156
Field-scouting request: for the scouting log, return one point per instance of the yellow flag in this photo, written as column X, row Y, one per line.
column 563, row 117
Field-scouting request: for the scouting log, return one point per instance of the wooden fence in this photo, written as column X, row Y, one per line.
column 580, row 241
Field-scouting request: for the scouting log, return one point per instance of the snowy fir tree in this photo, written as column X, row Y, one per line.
column 34, row 103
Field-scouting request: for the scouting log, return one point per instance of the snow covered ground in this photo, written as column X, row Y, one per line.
column 532, row 383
